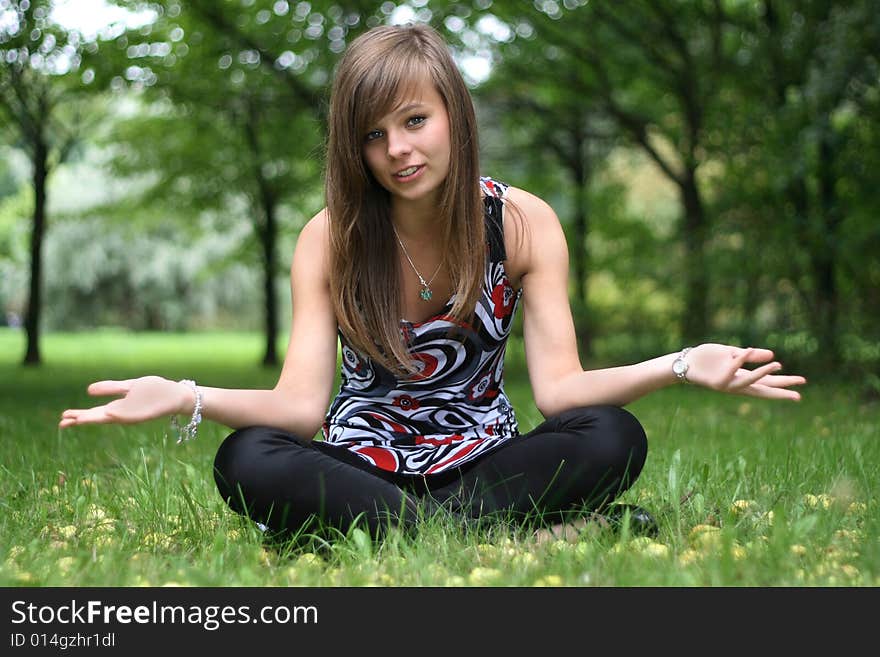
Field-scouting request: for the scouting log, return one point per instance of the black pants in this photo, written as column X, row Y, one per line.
column 576, row 461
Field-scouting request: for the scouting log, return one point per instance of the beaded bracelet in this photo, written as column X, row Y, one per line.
column 188, row 432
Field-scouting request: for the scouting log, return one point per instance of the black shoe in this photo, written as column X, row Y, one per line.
column 641, row 522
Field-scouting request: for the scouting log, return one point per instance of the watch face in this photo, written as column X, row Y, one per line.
column 679, row 367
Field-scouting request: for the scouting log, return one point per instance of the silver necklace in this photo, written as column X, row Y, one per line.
column 426, row 292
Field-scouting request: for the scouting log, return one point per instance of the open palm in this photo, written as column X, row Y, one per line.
column 144, row 398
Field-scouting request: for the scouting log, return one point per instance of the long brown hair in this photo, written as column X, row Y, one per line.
column 377, row 70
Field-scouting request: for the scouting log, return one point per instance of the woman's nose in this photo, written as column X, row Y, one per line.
column 398, row 144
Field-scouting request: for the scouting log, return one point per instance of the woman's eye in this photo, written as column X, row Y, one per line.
column 416, row 120
column 373, row 134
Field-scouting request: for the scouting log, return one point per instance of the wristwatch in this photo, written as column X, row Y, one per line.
column 680, row 365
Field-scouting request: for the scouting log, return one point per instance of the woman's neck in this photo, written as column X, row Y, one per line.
column 416, row 220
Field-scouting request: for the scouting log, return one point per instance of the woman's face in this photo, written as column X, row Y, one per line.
column 408, row 149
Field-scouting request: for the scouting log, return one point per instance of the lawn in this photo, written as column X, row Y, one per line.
column 747, row 492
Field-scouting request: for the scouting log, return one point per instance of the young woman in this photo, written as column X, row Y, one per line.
column 416, row 267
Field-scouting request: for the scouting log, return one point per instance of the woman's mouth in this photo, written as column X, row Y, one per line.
column 409, row 173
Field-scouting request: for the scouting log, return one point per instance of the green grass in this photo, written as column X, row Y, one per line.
column 747, row 492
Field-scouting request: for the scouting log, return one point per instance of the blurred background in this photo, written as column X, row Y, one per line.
column 714, row 163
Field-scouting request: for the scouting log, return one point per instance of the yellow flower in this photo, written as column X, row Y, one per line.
column 487, row 550
column 688, row 557
column 849, row 570
column 548, row 580
column 14, row 552
column 560, row 546
column 65, row 563
column 385, row 579
column 798, row 550
column 309, row 560
column 644, row 545
column 740, row 507
column 483, row 576
column 509, row 552
column 157, row 540
column 524, row 560
column 67, row 532
column 707, row 537
column 846, row 534
column 655, row 549
column 856, row 507
column 95, row 513
column 507, row 542
column 266, row 557
column 738, row 552
column 583, row 549
column 816, row 501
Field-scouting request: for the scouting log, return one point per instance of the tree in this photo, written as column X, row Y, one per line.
column 41, row 114
column 653, row 68
column 235, row 94
column 800, row 148
column 553, row 130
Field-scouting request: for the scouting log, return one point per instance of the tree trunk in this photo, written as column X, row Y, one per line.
column 695, row 318
column 268, row 239
column 825, row 253
column 32, row 316
column 268, row 235
column 580, row 254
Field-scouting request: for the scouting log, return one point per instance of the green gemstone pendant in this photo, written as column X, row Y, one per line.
column 426, row 293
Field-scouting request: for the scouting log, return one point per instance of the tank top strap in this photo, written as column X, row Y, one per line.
column 493, row 194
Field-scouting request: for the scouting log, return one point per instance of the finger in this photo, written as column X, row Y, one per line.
column 745, row 378
column 739, row 359
column 758, row 355
column 95, row 415
column 110, row 387
column 782, row 380
column 768, row 392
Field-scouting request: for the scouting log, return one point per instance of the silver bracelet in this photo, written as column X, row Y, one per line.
column 188, row 432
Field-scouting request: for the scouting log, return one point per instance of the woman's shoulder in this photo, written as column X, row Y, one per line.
column 534, row 207
column 313, row 242
column 529, row 225
column 529, row 209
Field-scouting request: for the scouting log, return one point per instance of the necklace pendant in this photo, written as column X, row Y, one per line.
column 426, row 293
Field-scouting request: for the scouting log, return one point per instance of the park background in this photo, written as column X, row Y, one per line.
column 714, row 164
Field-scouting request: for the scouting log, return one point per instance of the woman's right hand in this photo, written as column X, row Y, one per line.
column 144, row 398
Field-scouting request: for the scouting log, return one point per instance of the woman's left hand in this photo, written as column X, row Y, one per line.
column 722, row 367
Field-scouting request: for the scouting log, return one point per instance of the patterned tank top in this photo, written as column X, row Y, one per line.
column 454, row 408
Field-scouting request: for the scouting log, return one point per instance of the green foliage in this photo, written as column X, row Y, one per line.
column 761, row 117
column 209, row 118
